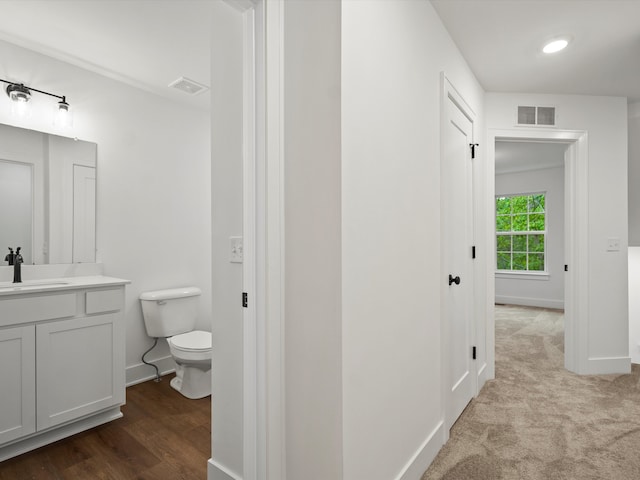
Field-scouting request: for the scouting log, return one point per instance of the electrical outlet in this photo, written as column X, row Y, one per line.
column 235, row 250
column 613, row 244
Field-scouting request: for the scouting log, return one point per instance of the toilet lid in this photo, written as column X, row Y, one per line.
column 195, row 340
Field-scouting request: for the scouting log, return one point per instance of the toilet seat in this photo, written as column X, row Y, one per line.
column 194, row 345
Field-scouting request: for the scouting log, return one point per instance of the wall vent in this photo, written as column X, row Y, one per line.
column 188, row 86
column 545, row 116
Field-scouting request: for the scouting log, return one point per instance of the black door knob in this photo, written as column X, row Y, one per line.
column 455, row 280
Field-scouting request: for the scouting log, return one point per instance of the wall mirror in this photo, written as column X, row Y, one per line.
column 47, row 197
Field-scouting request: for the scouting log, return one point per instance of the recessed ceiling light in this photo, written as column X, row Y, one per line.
column 555, row 45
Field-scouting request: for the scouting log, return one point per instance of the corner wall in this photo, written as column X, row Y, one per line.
column 313, row 336
column 392, row 56
column 226, row 209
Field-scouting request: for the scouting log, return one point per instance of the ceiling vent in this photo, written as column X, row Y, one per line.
column 543, row 116
column 188, row 86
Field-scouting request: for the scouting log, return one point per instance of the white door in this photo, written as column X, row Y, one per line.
column 457, row 210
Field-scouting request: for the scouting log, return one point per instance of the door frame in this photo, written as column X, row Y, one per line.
column 263, row 241
column 576, row 228
column 450, row 93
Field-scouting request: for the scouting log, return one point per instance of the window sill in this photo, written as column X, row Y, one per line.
column 523, row 275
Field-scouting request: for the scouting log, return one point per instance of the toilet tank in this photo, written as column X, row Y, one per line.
column 170, row 312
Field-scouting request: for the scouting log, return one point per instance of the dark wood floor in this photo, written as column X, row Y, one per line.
column 163, row 436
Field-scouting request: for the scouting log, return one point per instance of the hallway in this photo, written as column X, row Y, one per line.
column 536, row 420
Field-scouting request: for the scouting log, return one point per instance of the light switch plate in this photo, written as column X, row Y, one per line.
column 235, row 250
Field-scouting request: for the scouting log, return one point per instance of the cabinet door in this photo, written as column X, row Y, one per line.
column 80, row 368
column 17, row 382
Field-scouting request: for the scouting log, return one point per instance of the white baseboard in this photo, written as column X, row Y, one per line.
column 215, row 471
column 483, row 376
column 141, row 373
column 38, row 440
column 608, row 365
column 530, row 302
column 418, row 464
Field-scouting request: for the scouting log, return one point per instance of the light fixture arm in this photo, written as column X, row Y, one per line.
column 61, row 97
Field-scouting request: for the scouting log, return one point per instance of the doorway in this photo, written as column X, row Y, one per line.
column 575, row 265
column 530, row 206
column 529, row 223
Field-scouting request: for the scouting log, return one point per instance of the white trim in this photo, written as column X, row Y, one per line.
column 261, row 243
column 215, row 471
column 608, row 365
column 522, row 275
column 483, row 374
column 423, row 457
column 249, row 314
column 576, row 239
column 530, row 302
column 45, row 438
column 140, row 372
column 271, row 271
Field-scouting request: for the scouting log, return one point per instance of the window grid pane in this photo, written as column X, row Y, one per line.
column 521, row 232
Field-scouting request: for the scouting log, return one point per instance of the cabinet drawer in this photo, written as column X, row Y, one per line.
column 27, row 309
column 104, row 301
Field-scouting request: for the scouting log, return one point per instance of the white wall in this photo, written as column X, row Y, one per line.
column 605, row 120
column 153, row 201
column 226, row 206
column 313, row 377
column 392, row 56
column 634, row 232
column 537, row 290
column 634, row 174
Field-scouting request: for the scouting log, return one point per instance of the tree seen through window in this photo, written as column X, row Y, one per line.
column 520, row 232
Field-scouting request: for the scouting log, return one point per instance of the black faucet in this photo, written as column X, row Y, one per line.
column 10, row 257
column 17, row 261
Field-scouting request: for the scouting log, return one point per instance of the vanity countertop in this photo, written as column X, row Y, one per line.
column 58, row 284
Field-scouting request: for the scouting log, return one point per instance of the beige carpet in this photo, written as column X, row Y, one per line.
column 538, row 421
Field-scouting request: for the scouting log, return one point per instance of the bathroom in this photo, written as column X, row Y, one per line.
column 154, row 179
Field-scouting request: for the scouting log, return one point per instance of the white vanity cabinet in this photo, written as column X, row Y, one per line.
column 62, row 361
column 18, row 382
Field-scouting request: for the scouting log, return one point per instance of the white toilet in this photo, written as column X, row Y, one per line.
column 171, row 314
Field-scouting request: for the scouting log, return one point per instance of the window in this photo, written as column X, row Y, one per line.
column 521, row 230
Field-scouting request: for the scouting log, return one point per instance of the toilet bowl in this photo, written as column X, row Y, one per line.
column 192, row 353
column 172, row 314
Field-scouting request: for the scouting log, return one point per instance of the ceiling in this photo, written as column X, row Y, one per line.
column 502, row 40
column 145, row 43
column 518, row 156
column 150, row 43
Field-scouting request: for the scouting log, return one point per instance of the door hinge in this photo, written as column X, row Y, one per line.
column 245, row 299
column 473, row 353
column 473, row 149
column 473, row 251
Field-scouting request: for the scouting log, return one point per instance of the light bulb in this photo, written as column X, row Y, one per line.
column 20, row 96
column 555, row 46
column 63, row 116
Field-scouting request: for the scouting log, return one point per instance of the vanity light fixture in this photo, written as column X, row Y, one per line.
column 20, row 95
